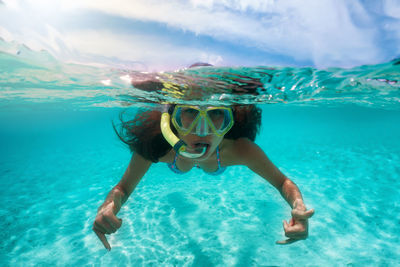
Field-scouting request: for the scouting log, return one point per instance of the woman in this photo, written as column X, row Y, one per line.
column 208, row 137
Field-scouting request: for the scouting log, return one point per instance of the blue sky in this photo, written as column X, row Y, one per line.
column 163, row 35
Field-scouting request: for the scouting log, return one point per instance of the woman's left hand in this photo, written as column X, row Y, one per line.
column 297, row 228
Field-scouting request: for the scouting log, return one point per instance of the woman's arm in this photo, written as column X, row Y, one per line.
column 106, row 221
column 137, row 168
column 254, row 157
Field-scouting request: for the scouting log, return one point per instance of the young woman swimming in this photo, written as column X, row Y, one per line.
column 208, row 137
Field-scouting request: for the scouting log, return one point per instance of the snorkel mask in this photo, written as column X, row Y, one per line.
column 200, row 121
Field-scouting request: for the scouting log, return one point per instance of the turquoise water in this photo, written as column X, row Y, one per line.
column 60, row 157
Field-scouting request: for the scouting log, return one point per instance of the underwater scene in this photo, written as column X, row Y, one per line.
column 334, row 132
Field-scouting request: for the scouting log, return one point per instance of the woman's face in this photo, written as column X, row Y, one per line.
column 202, row 127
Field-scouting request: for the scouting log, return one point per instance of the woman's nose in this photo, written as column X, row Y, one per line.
column 202, row 127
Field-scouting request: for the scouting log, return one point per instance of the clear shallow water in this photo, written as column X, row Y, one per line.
column 57, row 168
column 60, row 157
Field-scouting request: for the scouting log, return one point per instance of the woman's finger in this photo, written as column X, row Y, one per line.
column 296, row 230
column 286, row 242
column 292, row 227
column 103, row 239
column 103, row 227
column 310, row 213
column 296, row 235
column 299, row 214
column 112, row 229
column 114, row 222
column 285, row 226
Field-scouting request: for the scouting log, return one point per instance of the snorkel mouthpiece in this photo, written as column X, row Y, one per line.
column 179, row 145
column 193, row 155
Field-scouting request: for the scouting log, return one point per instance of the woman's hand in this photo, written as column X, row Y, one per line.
column 297, row 229
column 106, row 222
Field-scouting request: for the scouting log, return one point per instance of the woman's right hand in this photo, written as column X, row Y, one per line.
column 106, row 222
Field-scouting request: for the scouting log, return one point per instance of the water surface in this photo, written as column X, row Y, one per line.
column 333, row 132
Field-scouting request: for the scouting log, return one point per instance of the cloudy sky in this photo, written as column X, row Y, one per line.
column 164, row 35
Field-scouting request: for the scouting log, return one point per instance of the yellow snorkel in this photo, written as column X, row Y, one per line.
column 179, row 145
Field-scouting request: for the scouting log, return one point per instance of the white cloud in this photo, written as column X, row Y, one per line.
column 150, row 50
column 12, row 4
column 237, row 5
column 392, row 8
column 323, row 31
column 6, row 35
column 326, row 32
column 210, row 58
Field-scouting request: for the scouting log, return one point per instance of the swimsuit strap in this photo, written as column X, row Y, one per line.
column 218, row 158
column 175, row 158
column 173, row 166
column 220, row 169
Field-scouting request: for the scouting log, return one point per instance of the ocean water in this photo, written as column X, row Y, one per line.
column 334, row 132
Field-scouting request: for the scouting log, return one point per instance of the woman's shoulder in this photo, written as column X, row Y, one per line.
column 233, row 151
column 168, row 157
column 235, row 144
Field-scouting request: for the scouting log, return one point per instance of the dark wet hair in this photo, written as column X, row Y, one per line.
column 143, row 133
column 200, row 64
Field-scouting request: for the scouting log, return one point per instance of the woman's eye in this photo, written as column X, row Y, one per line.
column 189, row 112
column 215, row 113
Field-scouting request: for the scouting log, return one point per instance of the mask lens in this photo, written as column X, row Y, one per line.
column 185, row 116
column 221, row 119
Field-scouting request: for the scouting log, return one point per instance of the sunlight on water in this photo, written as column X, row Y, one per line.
column 27, row 75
